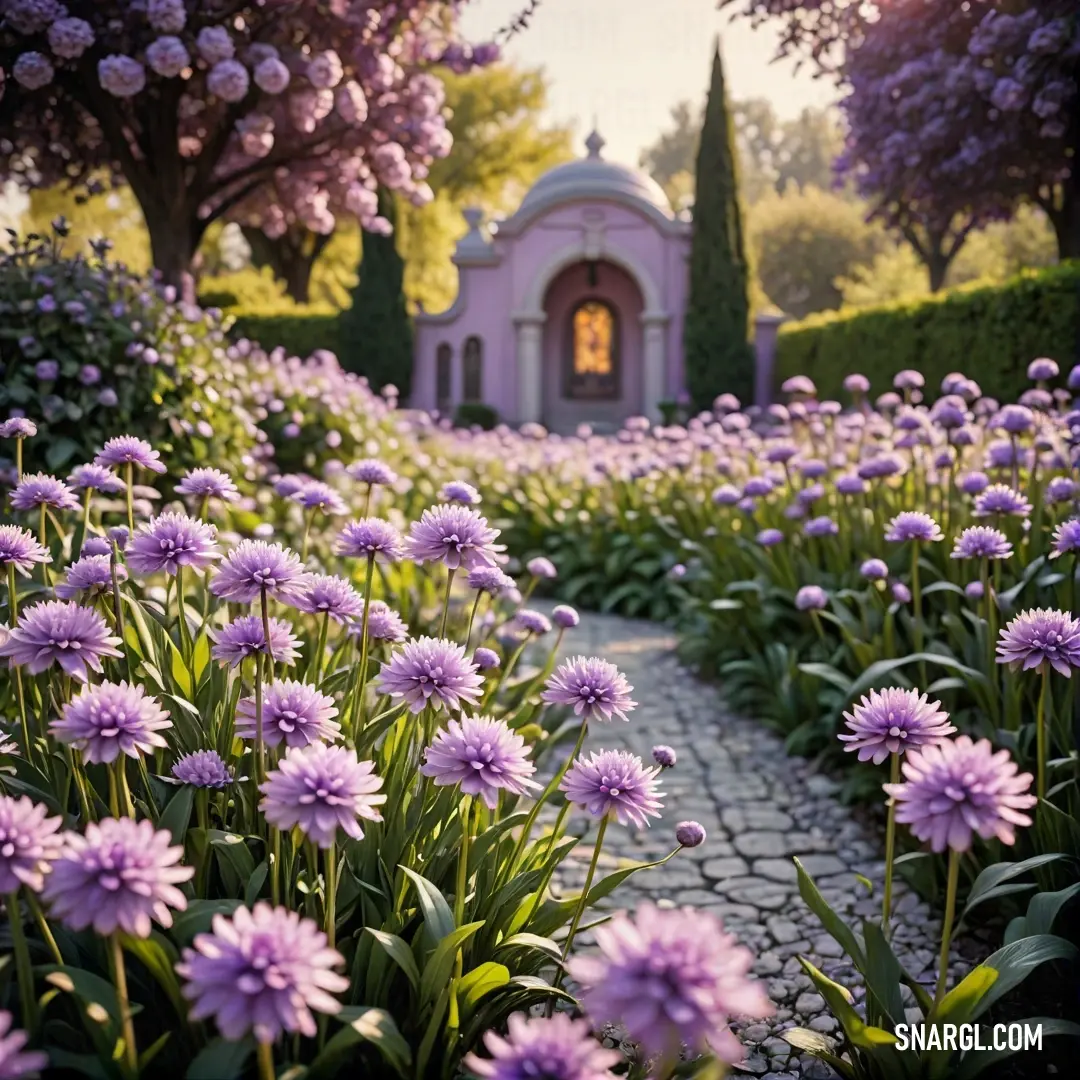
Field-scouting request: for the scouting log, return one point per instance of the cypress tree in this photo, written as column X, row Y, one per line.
column 376, row 336
column 718, row 356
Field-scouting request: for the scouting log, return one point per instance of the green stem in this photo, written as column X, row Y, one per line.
column 947, row 925
column 320, row 647
column 118, row 607
column 446, row 602
column 916, row 602
column 129, row 468
column 86, row 513
column 308, row 518
column 18, row 459
column 358, row 700
column 43, row 538
column 583, row 903
column 185, row 639
column 23, row 967
column 330, row 858
column 258, row 765
column 472, row 619
column 43, row 927
column 1040, row 733
column 265, row 1055
column 462, row 877
column 890, row 843
column 13, row 596
column 131, row 1054
column 275, row 866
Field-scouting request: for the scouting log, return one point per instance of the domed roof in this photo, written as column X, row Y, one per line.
column 594, row 177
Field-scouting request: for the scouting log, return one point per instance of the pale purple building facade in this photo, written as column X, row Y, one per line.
column 570, row 311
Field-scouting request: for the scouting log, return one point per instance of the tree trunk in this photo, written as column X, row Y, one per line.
column 173, row 250
column 291, row 257
column 297, row 277
column 1066, row 221
column 937, row 266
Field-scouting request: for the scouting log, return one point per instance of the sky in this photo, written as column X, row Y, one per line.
column 627, row 62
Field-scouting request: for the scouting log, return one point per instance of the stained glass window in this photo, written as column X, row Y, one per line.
column 444, row 357
column 472, row 370
column 593, row 368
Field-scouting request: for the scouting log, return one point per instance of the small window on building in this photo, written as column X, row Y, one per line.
column 444, row 389
column 592, row 365
column 472, row 370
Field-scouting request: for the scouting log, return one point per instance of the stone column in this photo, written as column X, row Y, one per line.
column 766, row 332
column 654, row 388
column 530, row 367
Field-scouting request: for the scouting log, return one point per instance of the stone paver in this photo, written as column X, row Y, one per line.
column 760, row 807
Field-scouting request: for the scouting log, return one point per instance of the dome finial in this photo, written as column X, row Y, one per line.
column 594, row 143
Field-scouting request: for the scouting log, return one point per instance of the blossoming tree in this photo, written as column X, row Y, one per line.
column 956, row 111
column 269, row 112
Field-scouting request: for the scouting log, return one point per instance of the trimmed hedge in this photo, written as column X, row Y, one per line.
column 300, row 334
column 989, row 333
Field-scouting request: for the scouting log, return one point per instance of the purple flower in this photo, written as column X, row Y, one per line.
column 452, row 534
column 1041, row 636
column 770, row 537
column 490, row 579
column 315, row 495
column 119, row 534
column 431, row 671
column 614, row 783
column 982, row 542
column 1001, row 499
column 243, row 637
column 372, row 472
column 857, row 384
column 14, row 1063
column 690, row 833
column 384, row 624
column 1062, row 489
column 726, row 495
column 670, row 977
column 974, row 590
column 811, row 598
column 294, row 713
column 486, row 659
column 40, row 489
column 565, row 617
column 206, row 483
column 542, row 568
column 892, row 721
column 798, row 384
column 901, row 593
column 874, row 570
column 664, row 756
column 596, row 689
column 877, row 468
column 1043, row 369
column 532, row 622
column 18, row 427
column 46, row 370
column 18, row 548
column 29, row 843
column 459, row 492
column 96, row 545
column 757, row 486
column 551, row 1048
column 117, row 876
column 371, row 538
column 913, row 525
column 203, row 769
column 262, row 971
column 821, row 526
column 481, row 755
column 170, row 541
column 325, row 594
column 129, row 450
column 95, row 478
column 111, row 719
column 973, row 482
column 55, row 632
column 319, row 789
column 255, row 567
column 1066, row 538
column 956, row 788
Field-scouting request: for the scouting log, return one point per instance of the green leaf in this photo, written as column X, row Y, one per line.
column 177, row 815
column 480, row 981
column 363, row 1024
column 828, row 673
column 91, row 989
column 839, row 1001
column 837, row 928
column 233, row 857
column 399, row 952
column 255, row 883
column 1042, row 912
column 960, row 1003
column 1015, row 962
column 882, row 973
column 86, row 1064
column 160, row 958
column 437, row 969
column 876, row 673
column 531, row 941
column 974, row 1063
column 438, row 918
column 198, row 917
column 819, row 1046
column 989, row 883
column 221, row 1060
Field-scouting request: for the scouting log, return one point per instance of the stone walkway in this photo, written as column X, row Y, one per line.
column 759, row 807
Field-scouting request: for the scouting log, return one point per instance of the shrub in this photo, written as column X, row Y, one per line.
column 992, row 332
column 299, row 331
column 470, row 413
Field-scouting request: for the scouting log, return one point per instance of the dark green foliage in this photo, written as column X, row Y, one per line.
column 989, row 333
column 476, row 412
column 715, row 337
column 298, row 333
column 376, row 332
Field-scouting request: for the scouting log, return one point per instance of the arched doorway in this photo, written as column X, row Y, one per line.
column 592, row 351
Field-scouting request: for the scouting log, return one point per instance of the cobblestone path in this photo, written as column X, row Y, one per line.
column 759, row 807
